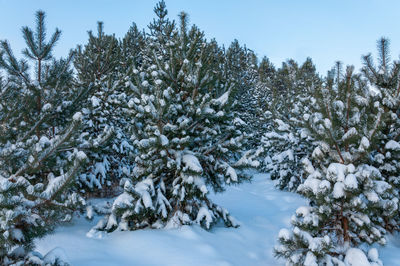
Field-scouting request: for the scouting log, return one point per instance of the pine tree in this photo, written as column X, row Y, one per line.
column 98, row 58
column 264, row 94
column 349, row 198
column 38, row 161
column 240, row 68
column 132, row 48
column 286, row 141
column 266, row 71
column 98, row 66
column 183, row 132
column 385, row 83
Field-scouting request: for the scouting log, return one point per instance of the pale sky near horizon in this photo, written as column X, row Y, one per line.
column 325, row 30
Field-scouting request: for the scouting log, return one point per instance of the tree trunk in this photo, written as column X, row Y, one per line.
column 345, row 226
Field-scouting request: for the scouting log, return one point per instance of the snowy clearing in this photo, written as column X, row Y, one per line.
column 261, row 210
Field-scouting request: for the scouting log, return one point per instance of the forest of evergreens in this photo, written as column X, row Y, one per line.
column 162, row 117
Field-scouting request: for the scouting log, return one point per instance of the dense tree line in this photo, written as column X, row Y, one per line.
column 163, row 116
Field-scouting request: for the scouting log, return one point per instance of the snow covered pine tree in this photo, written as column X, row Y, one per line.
column 349, row 198
column 385, row 82
column 286, row 142
column 240, row 68
column 104, row 123
column 183, row 132
column 37, row 159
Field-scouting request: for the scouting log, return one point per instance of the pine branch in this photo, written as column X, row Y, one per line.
column 369, row 67
column 47, row 152
column 35, row 127
column 40, row 30
column 13, row 67
column 32, row 50
column 384, row 56
column 64, row 179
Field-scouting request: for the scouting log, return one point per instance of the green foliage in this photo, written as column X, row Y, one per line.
column 266, row 71
column 285, row 142
column 182, row 110
column 98, row 59
column 183, row 132
column 132, row 47
column 38, row 161
column 98, row 66
column 384, row 80
column 350, row 201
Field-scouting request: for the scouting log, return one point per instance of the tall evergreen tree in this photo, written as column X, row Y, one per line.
column 98, row 58
column 286, row 141
column 385, row 84
column 132, row 47
column 240, row 69
column 266, row 71
column 38, row 161
column 349, row 198
column 183, row 132
column 98, row 66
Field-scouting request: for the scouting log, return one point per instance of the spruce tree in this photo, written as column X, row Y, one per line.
column 38, row 158
column 349, row 198
column 183, row 131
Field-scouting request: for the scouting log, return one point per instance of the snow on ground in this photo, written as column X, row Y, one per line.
column 390, row 254
column 261, row 209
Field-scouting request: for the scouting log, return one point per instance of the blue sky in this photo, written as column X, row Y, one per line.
column 325, row 30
